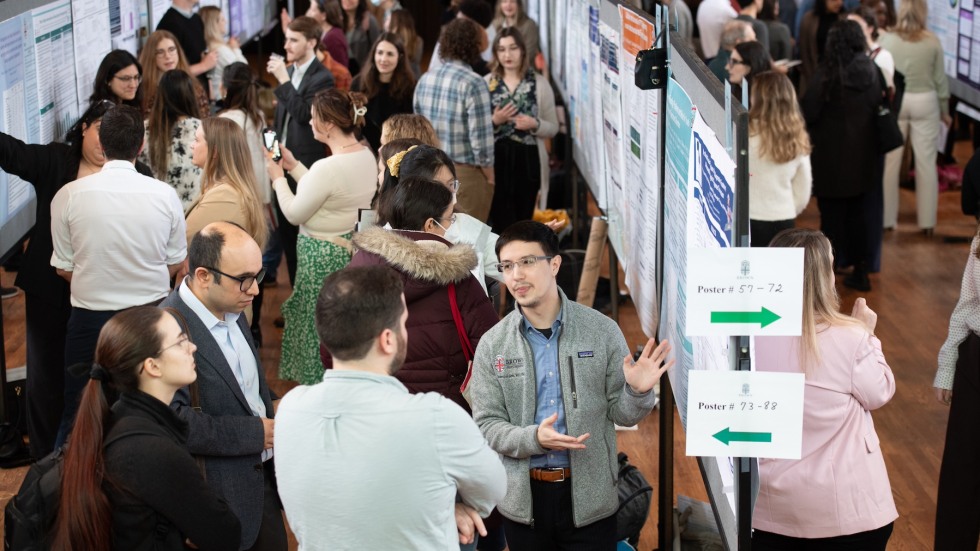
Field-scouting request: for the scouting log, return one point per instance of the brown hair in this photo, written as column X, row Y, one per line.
column 308, row 27
column 460, row 40
column 402, row 84
column 509, row 32
column 230, row 162
column 175, row 98
column 337, row 107
column 84, row 519
column 410, row 125
column 821, row 304
column 774, row 116
column 152, row 73
column 402, row 23
column 499, row 20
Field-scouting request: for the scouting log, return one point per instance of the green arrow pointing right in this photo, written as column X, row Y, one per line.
column 727, row 436
column 763, row 317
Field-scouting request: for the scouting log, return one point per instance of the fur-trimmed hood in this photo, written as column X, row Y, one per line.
column 419, row 255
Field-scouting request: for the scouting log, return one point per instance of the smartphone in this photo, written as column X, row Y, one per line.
column 271, row 140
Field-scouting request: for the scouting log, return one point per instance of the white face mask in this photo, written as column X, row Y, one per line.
column 451, row 234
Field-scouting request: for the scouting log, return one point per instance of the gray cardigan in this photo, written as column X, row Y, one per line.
column 591, row 349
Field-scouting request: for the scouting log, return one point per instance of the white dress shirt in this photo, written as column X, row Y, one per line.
column 711, row 17
column 358, row 446
column 117, row 232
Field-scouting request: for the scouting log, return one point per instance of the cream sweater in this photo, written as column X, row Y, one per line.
column 777, row 191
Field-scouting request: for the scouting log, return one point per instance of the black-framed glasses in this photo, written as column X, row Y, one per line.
column 525, row 262
column 245, row 282
column 733, row 61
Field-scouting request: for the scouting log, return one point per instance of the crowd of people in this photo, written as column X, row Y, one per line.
column 399, row 199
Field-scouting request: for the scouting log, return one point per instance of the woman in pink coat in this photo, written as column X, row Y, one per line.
column 837, row 496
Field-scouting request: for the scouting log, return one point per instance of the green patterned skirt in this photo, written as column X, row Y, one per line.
column 300, row 344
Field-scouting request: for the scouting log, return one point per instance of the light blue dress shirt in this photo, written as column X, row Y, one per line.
column 548, row 388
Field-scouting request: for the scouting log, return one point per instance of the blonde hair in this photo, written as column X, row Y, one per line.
column 774, row 116
column 229, row 162
column 213, row 33
column 821, row 304
column 152, row 73
column 410, row 125
column 913, row 16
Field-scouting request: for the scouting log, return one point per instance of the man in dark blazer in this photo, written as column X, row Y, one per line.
column 230, row 418
column 298, row 85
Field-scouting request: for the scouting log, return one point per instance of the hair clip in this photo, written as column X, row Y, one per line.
column 395, row 161
column 359, row 112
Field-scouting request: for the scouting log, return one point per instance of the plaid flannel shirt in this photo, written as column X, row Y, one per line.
column 457, row 103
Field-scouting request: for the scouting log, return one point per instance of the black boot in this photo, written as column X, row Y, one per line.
column 859, row 278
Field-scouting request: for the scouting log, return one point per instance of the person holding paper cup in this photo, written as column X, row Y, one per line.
column 837, row 495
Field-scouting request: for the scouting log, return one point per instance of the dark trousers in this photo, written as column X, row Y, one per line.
column 81, row 337
column 554, row 528
column 272, row 533
column 287, row 234
column 44, row 389
column 763, row 231
column 844, row 221
column 872, row 540
column 517, row 172
column 958, row 501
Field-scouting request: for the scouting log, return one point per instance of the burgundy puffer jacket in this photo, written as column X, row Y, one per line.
column 427, row 264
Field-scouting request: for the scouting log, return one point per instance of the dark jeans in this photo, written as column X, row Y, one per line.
column 82, row 335
column 517, row 172
column 763, row 231
column 554, row 528
column 844, row 221
column 44, row 389
column 958, row 501
column 287, row 234
column 872, row 540
column 272, row 533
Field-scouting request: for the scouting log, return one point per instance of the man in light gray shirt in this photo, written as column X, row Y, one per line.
column 363, row 464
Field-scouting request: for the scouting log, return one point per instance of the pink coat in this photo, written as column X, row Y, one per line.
column 840, row 486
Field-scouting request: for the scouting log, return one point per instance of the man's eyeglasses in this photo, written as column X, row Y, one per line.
column 526, row 262
column 166, row 51
column 245, row 282
column 128, row 79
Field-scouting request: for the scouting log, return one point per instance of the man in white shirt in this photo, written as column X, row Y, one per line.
column 363, row 464
column 118, row 238
column 230, row 421
column 711, row 17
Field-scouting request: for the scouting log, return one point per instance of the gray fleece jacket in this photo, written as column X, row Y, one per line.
column 590, row 351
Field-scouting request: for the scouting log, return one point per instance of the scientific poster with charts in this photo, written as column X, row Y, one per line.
column 612, row 136
column 92, row 33
column 592, row 78
column 14, row 38
column 54, row 55
column 558, row 60
column 641, row 173
column 678, row 138
column 952, row 22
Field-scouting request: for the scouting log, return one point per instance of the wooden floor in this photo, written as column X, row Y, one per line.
column 913, row 295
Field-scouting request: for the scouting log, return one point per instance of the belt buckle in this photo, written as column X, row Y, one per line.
column 557, row 470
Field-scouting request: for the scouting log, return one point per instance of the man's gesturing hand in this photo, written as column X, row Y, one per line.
column 551, row 439
column 646, row 371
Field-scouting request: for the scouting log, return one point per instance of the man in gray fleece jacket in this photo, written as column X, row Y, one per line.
column 549, row 382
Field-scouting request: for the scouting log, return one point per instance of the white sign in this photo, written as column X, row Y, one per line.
column 745, row 414
column 745, row 291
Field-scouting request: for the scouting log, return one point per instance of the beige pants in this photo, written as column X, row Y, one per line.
column 919, row 121
column 475, row 193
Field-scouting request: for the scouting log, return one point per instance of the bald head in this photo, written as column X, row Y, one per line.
column 735, row 32
column 224, row 264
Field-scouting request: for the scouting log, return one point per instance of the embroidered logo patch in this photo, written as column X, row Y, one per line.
column 585, row 354
column 498, row 363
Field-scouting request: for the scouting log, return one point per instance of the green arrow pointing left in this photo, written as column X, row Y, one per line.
column 763, row 317
column 726, row 436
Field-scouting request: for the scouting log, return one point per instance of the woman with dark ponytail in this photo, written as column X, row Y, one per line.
column 143, row 490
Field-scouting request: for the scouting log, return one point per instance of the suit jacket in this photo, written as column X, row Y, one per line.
column 297, row 103
column 225, row 432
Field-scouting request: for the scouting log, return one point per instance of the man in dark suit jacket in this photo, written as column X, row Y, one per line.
column 230, row 420
column 298, row 86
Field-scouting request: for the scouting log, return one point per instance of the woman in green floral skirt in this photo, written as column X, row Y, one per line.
column 328, row 196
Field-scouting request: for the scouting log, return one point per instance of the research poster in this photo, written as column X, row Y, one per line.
column 678, row 139
column 15, row 194
column 54, row 55
column 92, row 34
column 641, row 173
column 612, row 136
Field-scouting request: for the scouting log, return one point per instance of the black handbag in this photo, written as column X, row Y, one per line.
column 889, row 134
